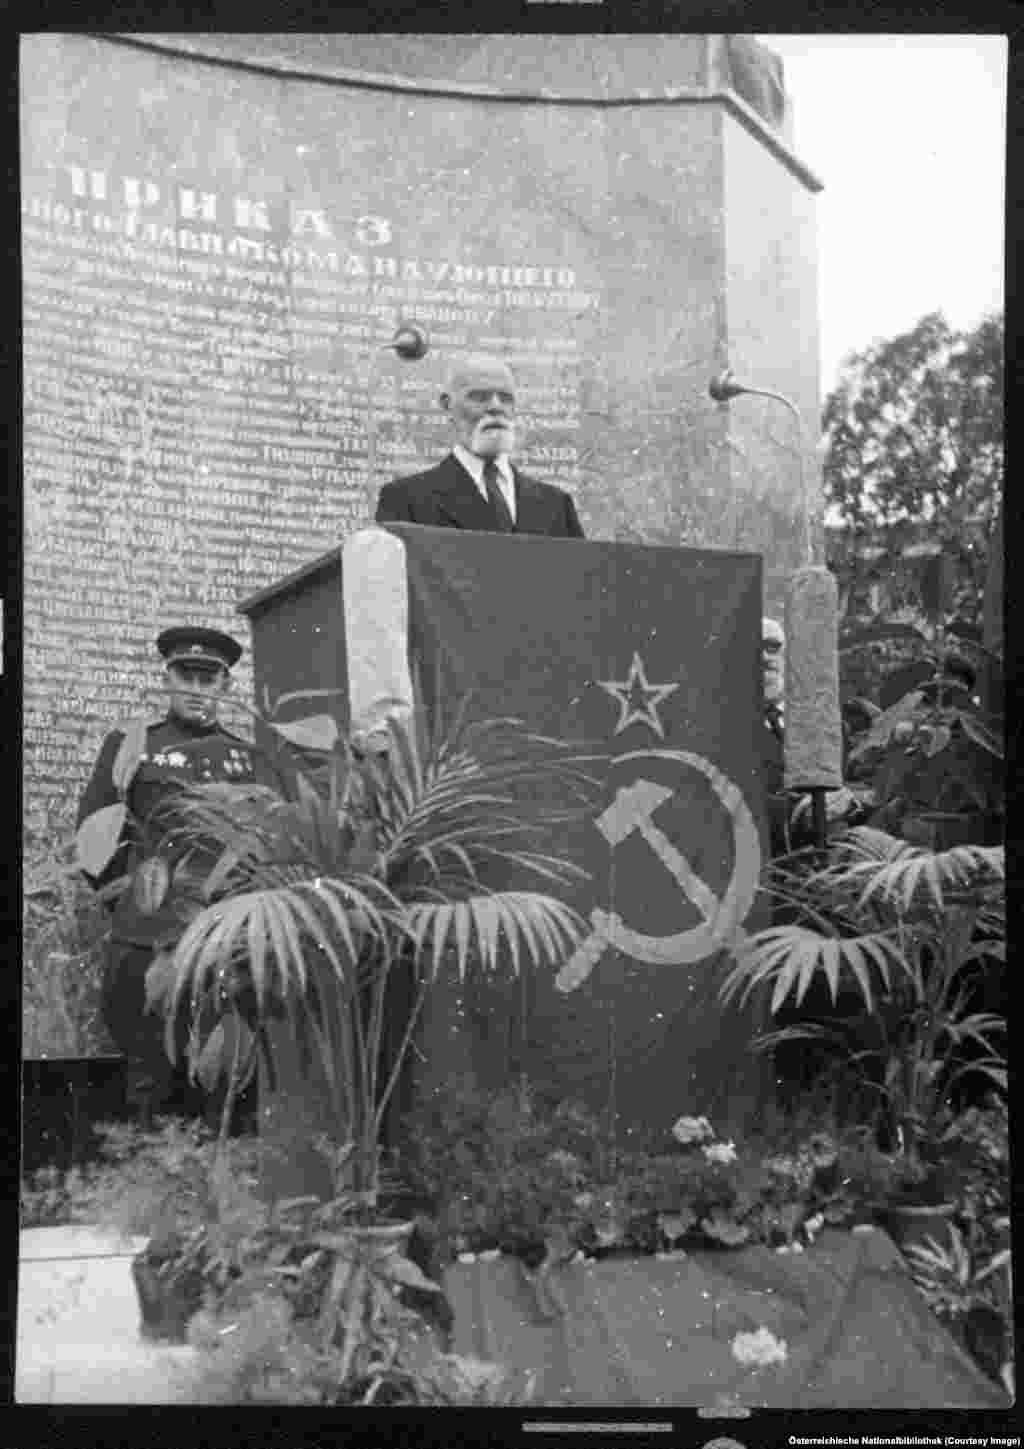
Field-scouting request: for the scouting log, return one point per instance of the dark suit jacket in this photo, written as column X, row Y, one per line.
column 447, row 497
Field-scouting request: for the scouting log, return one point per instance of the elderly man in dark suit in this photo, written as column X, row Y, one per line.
column 476, row 486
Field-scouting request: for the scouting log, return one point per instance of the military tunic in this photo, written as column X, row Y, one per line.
column 177, row 753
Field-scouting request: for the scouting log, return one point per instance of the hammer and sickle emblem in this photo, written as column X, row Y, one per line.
column 632, row 810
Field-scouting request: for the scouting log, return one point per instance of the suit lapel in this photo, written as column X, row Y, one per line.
column 531, row 505
column 459, row 500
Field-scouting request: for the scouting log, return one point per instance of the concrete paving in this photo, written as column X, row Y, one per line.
column 78, row 1338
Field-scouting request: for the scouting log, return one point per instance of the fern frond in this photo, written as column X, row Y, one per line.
column 791, row 957
column 546, row 927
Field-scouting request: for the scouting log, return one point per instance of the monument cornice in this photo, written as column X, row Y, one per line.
column 734, row 104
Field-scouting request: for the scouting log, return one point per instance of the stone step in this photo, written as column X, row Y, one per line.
column 78, row 1338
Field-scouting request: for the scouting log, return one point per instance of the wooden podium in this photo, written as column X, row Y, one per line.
column 649, row 655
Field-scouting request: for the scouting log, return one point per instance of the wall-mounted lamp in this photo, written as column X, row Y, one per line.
column 410, row 342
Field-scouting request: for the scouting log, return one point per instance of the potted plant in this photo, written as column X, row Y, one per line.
column 904, row 931
column 312, row 904
column 191, row 1196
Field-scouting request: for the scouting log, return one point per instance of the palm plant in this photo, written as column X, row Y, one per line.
column 378, row 860
column 906, row 930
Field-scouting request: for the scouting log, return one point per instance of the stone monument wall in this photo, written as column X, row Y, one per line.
column 215, row 253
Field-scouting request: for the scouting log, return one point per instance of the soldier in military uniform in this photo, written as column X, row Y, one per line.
column 187, row 746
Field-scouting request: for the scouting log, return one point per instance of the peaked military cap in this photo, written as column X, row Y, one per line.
column 187, row 643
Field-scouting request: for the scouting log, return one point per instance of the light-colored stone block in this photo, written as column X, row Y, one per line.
column 78, row 1338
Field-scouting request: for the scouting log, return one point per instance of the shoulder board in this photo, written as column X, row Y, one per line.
column 124, row 727
column 134, row 735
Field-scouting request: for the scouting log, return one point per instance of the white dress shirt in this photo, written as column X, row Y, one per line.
column 474, row 466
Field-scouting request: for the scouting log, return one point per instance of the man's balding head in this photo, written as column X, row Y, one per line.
column 470, row 370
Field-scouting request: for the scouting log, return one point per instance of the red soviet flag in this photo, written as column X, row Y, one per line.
column 652, row 654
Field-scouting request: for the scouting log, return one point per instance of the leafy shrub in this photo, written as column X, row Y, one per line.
column 172, row 1179
column 976, row 1148
column 970, row 1289
column 933, row 756
column 47, row 1197
column 64, row 930
column 499, row 1167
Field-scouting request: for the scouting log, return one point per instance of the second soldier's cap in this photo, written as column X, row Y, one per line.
column 186, row 643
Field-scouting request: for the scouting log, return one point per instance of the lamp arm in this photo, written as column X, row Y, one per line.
column 787, row 402
column 779, row 397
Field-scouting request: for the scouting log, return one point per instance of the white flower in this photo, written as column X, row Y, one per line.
column 720, row 1152
column 692, row 1129
column 814, row 1225
column 759, row 1348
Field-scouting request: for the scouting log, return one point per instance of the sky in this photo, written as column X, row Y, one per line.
column 908, row 135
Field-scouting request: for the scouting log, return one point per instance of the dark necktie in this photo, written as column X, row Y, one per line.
column 497, row 497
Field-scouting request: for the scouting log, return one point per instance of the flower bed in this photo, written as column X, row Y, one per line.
column 483, row 1174
column 505, row 1173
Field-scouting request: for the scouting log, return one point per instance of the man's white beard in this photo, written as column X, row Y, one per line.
column 774, row 686
column 488, row 442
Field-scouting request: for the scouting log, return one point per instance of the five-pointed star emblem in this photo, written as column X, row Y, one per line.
column 635, row 686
